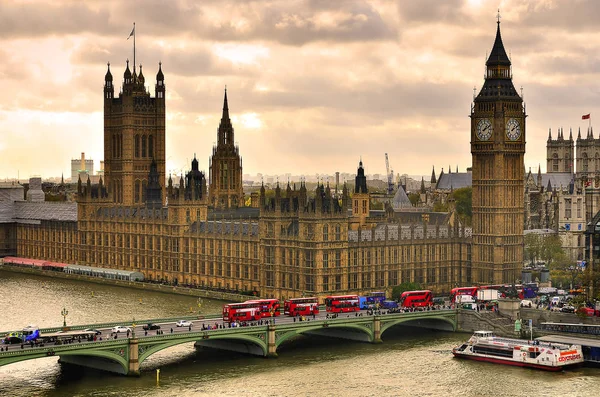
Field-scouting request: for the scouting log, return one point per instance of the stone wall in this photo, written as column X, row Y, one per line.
column 541, row 316
column 224, row 296
column 471, row 320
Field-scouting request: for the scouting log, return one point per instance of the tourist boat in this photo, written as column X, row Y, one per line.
column 484, row 346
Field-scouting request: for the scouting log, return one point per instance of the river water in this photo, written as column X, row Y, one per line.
column 410, row 362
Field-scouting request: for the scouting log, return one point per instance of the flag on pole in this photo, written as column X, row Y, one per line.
column 133, row 32
column 585, row 116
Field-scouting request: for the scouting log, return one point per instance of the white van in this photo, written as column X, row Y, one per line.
column 555, row 300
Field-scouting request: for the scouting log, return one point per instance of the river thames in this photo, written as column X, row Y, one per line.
column 409, row 362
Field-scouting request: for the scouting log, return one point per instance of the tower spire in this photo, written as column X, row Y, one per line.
column 225, row 106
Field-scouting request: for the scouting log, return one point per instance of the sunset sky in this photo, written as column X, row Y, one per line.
column 312, row 85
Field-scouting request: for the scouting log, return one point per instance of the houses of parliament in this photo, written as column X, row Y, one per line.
column 196, row 230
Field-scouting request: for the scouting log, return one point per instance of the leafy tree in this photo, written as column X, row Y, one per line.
column 440, row 207
column 406, row 286
column 463, row 198
column 533, row 247
column 414, row 198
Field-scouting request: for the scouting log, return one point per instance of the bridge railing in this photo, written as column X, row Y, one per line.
column 125, row 323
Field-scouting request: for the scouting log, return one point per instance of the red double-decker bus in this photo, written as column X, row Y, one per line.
column 416, row 298
column 342, row 304
column 268, row 307
column 305, row 309
column 290, row 305
column 463, row 291
column 247, row 311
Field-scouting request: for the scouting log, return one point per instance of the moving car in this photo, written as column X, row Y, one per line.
column 183, row 323
column 150, row 327
column 567, row 309
column 526, row 303
column 587, row 311
column 120, row 328
column 98, row 332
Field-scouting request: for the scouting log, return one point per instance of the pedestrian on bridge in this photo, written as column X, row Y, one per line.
column 171, row 330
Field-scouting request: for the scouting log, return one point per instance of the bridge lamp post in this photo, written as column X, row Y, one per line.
column 199, row 305
column 64, row 313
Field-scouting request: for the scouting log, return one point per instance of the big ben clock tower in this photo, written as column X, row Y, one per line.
column 498, row 149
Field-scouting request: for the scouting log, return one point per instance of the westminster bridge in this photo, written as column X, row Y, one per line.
column 125, row 353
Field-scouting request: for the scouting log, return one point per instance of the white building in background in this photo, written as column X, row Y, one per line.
column 83, row 167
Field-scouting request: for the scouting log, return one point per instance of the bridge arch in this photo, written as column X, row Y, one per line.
column 146, row 349
column 441, row 322
column 118, row 357
column 329, row 329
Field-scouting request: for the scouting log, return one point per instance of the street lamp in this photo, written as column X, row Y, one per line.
column 199, row 305
column 64, row 313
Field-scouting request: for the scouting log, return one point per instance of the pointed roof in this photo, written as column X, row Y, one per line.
column 160, row 76
column 401, row 200
column 433, row 178
column 225, row 107
column 498, row 79
column 498, row 55
column 108, row 76
column 127, row 74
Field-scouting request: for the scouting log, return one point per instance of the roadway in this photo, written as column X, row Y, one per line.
column 197, row 325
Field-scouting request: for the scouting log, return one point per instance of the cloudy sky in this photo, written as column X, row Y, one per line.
column 312, row 84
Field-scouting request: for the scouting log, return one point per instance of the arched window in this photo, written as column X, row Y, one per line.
column 137, row 146
column 326, row 233
column 338, row 232
column 137, row 191
column 555, row 162
column 596, row 162
column 143, row 194
column 585, row 162
column 151, row 146
column 144, row 146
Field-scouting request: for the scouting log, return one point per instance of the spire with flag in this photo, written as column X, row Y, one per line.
column 133, row 34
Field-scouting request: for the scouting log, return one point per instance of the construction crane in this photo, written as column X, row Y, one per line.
column 390, row 176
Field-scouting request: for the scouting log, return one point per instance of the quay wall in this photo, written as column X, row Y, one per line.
column 201, row 293
column 540, row 316
column 471, row 320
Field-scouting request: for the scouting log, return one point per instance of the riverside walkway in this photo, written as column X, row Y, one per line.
column 125, row 353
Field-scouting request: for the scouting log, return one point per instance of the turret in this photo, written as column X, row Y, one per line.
column 159, row 89
column 109, row 89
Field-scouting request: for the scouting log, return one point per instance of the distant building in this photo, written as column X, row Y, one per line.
column 83, row 167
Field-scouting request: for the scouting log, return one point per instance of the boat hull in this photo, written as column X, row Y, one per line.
column 498, row 360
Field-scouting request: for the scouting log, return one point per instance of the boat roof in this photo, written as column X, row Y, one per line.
column 570, row 340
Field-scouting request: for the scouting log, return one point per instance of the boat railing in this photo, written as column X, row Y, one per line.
column 510, row 341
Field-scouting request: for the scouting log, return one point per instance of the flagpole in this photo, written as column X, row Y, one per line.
column 134, row 50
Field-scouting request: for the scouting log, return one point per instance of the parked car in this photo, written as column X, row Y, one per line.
column 98, row 332
column 120, row 328
column 526, row 303
column 183, row 323
column 150, row 327
column 567, row 309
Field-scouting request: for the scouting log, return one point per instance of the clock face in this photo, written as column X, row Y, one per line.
column 513, row 129
column 484, row 129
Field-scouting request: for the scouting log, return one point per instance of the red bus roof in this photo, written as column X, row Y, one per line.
column 416, row 292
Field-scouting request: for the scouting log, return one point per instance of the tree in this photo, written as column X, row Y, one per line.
column 552, row 252
column 463, row 198
column 533, row 247
column 414, row 198
column 406, row 286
